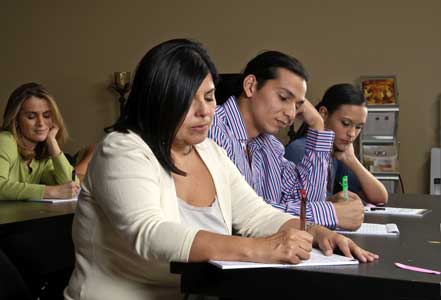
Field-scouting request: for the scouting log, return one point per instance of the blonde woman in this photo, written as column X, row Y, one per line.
column 32, row 165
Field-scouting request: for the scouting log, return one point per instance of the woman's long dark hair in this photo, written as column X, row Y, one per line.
column 334, row 97
column 164, row 85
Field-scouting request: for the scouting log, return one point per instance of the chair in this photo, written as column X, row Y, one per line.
column 227, row 85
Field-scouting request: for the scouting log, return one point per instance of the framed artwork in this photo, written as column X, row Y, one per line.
column 379, row 90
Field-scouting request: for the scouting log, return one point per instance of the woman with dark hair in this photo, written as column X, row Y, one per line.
column 157, row 190
column 344, row 111
column 32, row 165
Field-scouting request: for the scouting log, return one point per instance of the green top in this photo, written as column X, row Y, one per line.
column 18, row 181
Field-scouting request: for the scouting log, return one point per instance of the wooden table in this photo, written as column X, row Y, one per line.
column 20, row 211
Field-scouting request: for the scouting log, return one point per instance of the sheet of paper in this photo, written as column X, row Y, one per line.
column 374, row 229
column 418, row 212
column 317, row 259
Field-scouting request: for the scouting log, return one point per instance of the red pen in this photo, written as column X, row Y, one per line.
column 302, row 209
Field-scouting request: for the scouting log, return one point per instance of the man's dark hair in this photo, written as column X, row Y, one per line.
column 265, row 65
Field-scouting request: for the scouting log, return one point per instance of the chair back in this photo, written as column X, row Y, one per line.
column 228, row 85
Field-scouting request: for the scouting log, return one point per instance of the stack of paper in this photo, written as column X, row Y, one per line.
column 374, row 229
column 317, row 259
column 395, row 211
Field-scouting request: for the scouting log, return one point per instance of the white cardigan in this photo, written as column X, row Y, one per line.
column 127, row 226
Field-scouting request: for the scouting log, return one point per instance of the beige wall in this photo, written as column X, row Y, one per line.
column 73, row 47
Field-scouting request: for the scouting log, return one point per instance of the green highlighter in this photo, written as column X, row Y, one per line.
column 344, row 183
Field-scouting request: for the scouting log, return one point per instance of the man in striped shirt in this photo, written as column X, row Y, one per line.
column 272, row 93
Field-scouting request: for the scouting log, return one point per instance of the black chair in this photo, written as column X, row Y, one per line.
column 227, row 85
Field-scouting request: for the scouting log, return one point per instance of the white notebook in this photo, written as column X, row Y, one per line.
column 317, row 259
column 55, row 201
column 374, row 229
column 418, row 212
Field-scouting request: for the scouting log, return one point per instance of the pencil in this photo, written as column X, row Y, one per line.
column 302, row 209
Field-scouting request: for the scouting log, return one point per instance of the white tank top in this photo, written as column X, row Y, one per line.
column 207, row 218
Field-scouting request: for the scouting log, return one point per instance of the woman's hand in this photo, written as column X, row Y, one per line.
column 62, row 191
column 53, row 132
column 53, row 147
column 347, row 157
column 286, row 246
column 373, row 190
column 328, row 241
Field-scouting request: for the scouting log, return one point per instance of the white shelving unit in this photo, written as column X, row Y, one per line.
column 379, row 145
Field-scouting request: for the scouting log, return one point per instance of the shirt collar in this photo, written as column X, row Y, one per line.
column 237, row 126
column 235, row 120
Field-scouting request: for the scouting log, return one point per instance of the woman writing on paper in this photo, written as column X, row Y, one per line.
column 32, row 165
column 344, row 111
column 157, row 190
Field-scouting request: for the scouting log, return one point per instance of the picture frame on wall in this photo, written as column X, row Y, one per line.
column 379, row 90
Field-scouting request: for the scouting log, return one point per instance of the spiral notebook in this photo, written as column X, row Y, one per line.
column 374, row 229
column 317, row 259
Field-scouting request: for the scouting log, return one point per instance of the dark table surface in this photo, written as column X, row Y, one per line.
column 418, row 245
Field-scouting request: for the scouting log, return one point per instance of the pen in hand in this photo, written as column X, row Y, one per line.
column 344, row 183
column 74, row 175
column 302, row 209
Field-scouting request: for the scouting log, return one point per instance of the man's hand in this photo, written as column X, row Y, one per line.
column 310, row 115
column 350, row 213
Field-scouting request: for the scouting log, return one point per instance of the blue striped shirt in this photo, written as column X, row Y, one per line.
column 277, row 180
